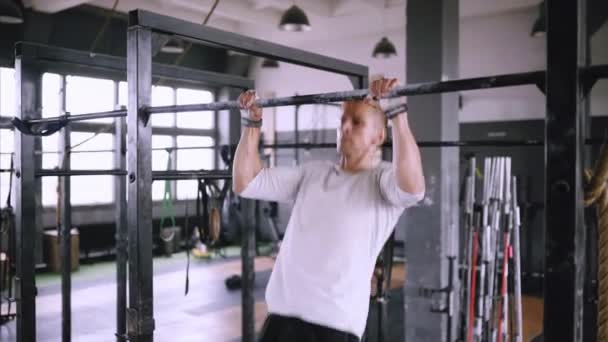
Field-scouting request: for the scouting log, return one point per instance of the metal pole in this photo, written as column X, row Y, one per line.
column 564, row 227
column 65, row 228
column 139, row 216
column 517, row 334
column 180, row 175
column 65, row 173
column 422, row 143
column 248, row 270
column 296, row 132
column 470, row 236
column 496, row 81
column 120, row 200
column 487, row 82
column 27, row 83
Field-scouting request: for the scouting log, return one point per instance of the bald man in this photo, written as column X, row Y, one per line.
column 343, row 213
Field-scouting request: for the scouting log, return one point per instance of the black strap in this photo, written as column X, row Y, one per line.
column 202, row 200
column 43, row 129
column 396, row 110
column 188, row 248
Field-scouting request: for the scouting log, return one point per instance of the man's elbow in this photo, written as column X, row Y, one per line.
column 238, row 183
column 413, row 187
column 237, row 189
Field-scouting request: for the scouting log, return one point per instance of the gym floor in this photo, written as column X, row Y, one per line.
column 209, row 312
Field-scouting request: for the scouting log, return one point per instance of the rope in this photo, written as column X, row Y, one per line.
column 597, row 193
column 181, row 57
column 101, row 32
column 101, row 130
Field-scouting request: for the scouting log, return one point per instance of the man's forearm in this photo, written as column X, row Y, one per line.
column 247, row 163
column 406, row 157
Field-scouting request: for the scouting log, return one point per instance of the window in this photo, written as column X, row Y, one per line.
column 92, row 189
column 7, row 108
column 51, row 95
column 123, row 91
column 50, row 160
column 89, row 95
column 163, row 96
column 194, row 159
column 202, row 120
column 7, row 92
column 6, row 148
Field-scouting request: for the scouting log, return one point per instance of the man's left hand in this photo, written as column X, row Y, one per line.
column 380, row 88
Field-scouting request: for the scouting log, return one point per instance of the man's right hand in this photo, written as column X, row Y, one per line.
column 247, row 102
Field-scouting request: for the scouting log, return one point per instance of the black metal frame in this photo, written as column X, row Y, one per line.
column 120, row 199
column 28, row 81
column 565, row 234
column 31, row 61
column 564, row 76
column 62, row 60
column 65, row 226
column 142, row 25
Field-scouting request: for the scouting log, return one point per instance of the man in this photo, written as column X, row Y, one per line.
column 342, row 215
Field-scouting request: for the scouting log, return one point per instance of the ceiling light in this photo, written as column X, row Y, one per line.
column 10, row 12
column 384, row 49
column 295, row 20
column 173, row 46
column 540, row 25
column 270, row 63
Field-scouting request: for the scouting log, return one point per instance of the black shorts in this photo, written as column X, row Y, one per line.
column 279, row 328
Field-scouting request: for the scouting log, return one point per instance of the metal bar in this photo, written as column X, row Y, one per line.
column 66, row 173
column 157, row 175
column 211, row 36
column 196, row 174
column 93, row 127
column 517, row 305
column 139, row 216
column 463, row 143
column 488, row 82
column 65, row 225
column 27, row 85
column 597, row 71
column 296, row 131
column 564, row 228
column 81, row 117
column 248, row 271
column 5, row 123
column 120, row 199
column 466, row 143
column 57, row 59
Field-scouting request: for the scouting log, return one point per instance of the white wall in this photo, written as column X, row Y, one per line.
column 501, row 45
column 496, row 44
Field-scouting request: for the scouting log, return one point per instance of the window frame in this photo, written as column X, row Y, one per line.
column 173, row 131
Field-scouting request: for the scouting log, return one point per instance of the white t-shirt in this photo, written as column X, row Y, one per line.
column 338, row 226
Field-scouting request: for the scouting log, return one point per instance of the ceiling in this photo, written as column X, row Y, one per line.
column 331, row 19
